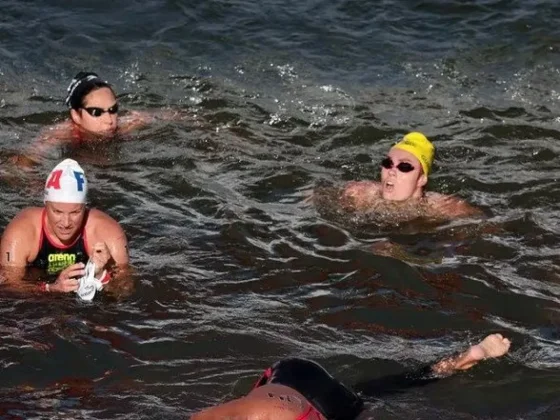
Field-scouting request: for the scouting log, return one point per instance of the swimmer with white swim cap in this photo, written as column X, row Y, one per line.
column 299, row 389
column 62, row 236
column 404, row 176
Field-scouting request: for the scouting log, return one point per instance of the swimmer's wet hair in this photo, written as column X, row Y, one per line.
column 82, row 84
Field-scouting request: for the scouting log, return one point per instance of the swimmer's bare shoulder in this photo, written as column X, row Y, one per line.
column 52, row 136
column 20, row 240
column 100, row 227
column 450, row 206
column 361, row 194
column 61, row 129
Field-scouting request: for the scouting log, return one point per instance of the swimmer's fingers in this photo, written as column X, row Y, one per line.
column 100, row 256
column 72, row 271
column 67, row 279
column 495, row 345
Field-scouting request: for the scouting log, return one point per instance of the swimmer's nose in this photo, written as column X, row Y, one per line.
column 108, row 118
column 65, row 221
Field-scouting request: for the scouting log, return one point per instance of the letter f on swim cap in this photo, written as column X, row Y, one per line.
column 66, row 183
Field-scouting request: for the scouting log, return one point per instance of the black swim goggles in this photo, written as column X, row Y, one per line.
column 388, row 163
column 98, row 112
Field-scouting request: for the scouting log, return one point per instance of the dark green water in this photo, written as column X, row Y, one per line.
column 233, row 270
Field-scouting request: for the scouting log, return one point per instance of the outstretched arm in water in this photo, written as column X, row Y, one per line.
column 493, row 346
column 270, row 403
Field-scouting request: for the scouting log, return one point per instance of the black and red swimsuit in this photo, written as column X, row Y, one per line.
column 326, row 396
column 55, row 258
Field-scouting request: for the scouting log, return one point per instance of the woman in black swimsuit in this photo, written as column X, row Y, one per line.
column 299, row 389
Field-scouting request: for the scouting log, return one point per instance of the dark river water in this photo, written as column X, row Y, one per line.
column 232, row 268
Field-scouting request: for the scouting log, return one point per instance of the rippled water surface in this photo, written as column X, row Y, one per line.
column 233, row 268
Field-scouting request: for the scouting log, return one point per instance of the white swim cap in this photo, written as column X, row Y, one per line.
column 66, row 183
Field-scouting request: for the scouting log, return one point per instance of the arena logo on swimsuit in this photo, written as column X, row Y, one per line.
column 58, row 262
column 54, row 180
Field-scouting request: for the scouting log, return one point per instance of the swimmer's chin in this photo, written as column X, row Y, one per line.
column 389, row 196
column 109, row 132
column 103, row 134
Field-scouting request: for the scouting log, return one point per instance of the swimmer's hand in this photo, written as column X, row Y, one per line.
column 100, row 256
column 66, row 281
column 495, row 345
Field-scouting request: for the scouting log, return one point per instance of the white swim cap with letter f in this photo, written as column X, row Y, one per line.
column 66, row 183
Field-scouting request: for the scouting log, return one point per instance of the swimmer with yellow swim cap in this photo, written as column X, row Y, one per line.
column 404, row 175
column 405, row 169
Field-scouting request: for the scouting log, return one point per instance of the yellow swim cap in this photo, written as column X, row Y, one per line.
column 417, row 144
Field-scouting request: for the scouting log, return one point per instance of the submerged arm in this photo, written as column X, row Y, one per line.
column 47, row 140
column 452, row 207
column 134, row 120
column 14, row 253
column 121, row 284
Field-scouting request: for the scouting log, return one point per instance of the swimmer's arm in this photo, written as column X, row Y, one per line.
column 15, row 253
column 118, row 248
column 246, row 409
column 452, row 207
column 103, row 229
column 134, row 120
column 493, row 346
column 49, row 139
column 463, row 209
column 121, row 284
column 122, row 281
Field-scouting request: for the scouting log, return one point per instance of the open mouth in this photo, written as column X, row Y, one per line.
column 389, row 186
